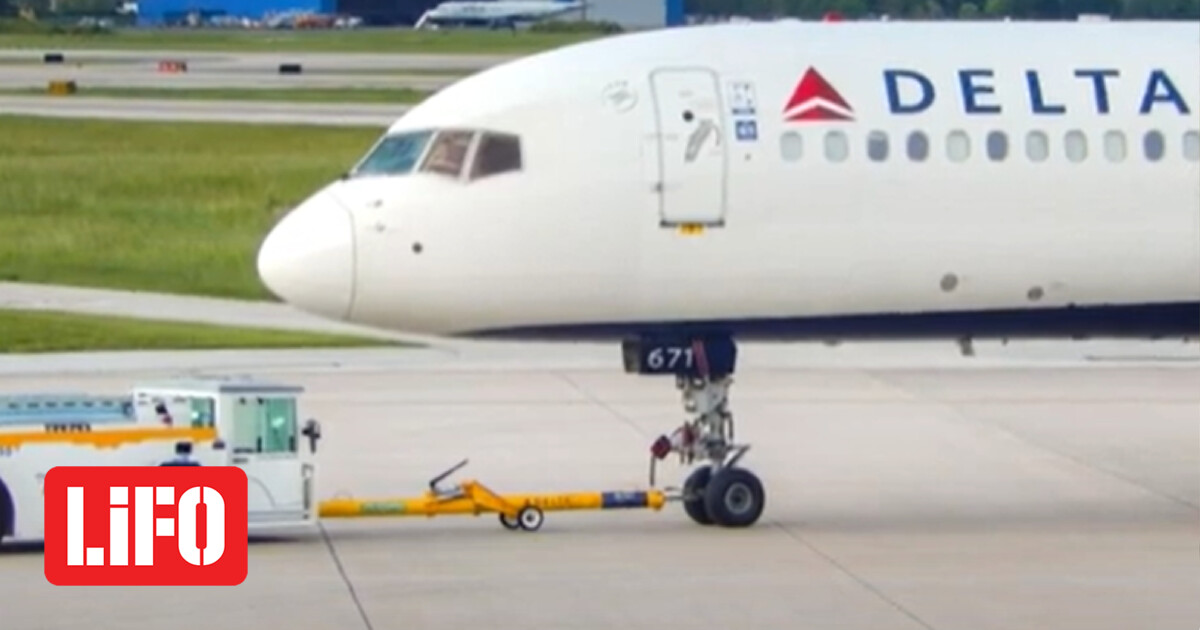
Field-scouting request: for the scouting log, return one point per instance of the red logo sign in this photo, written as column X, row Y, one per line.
column 814, row 99
column 146, row 525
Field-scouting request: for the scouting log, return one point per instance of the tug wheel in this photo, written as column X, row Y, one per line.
column 530, row 518
column 509, row 523
column 693, row 495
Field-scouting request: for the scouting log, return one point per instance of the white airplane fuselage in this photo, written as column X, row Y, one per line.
column 826, row 193
column 495, row 12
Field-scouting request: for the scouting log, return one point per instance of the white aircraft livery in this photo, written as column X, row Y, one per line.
column 495, row 13
column 683, row 188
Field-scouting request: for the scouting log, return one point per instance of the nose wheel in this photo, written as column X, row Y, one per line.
column 732, row 497
column 717, row 492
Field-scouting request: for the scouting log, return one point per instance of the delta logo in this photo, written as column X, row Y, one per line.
column 978, row 91
column 814, row 100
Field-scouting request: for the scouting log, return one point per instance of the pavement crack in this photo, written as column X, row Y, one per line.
column 854, row 576
column 612, row 411
column 1077, row 460
column 960, row 416
column 362, row 612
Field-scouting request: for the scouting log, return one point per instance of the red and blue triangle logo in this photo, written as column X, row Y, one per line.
column 814, row 99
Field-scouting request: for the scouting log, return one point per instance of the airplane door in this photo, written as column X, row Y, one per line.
column 692, row 158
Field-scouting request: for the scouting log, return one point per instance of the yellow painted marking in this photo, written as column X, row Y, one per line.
column 107, row 439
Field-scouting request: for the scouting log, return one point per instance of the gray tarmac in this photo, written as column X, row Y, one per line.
column 172, row 307
column 29, row 77
column 326, row 114
column 263, row 60
column 907, row 489
column 22, row 69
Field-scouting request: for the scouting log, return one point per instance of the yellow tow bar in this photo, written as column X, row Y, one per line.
column 516, row 511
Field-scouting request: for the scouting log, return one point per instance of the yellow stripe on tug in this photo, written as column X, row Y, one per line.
column 516, row 511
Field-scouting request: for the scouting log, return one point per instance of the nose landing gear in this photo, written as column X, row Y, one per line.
column 718, row 492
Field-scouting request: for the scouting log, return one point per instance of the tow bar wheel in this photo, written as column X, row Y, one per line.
column 530, row 518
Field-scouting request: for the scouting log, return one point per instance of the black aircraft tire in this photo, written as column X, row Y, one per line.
column 694, row 502
column 735, row 498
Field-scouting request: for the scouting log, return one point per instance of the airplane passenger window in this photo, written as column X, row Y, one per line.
column 836, row 146
column 1114, row 146
column 1154, row 145
column 497, row 153
column 877, row 146
column 958, row 146
column 997, row 146
column 791, row 146
column 1191, row 146
column 1037, row 146
column 448, row 153
column 918, row 146
column 1076, row 145
column 394, row 154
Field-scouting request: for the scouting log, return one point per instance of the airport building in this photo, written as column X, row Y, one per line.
column 636, row 14
column 178, row 12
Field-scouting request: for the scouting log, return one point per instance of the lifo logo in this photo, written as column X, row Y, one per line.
column 146, row 525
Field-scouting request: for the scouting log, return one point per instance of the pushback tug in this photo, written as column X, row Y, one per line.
column 243, row 422
column 226, row 422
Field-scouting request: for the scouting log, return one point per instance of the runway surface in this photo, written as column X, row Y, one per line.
column 263, row 60
column 948, row 493
column 171, row 307
column 340, row 114
column 22, row 69
column 14, row 77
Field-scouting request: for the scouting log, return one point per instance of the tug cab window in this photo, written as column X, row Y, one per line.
column 448, row 153
column 264, row 425
column 497, row 153
column 394, row 154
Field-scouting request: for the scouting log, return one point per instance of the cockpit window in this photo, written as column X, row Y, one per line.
column 395, row 154
column 497, row 153
column 448, row 153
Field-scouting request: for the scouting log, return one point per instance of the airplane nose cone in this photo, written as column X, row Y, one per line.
column 307, row 260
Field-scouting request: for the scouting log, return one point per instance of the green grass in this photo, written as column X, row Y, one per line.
column 367, row 40
column 159, row 206
column 293, row 95
column 42, row 331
